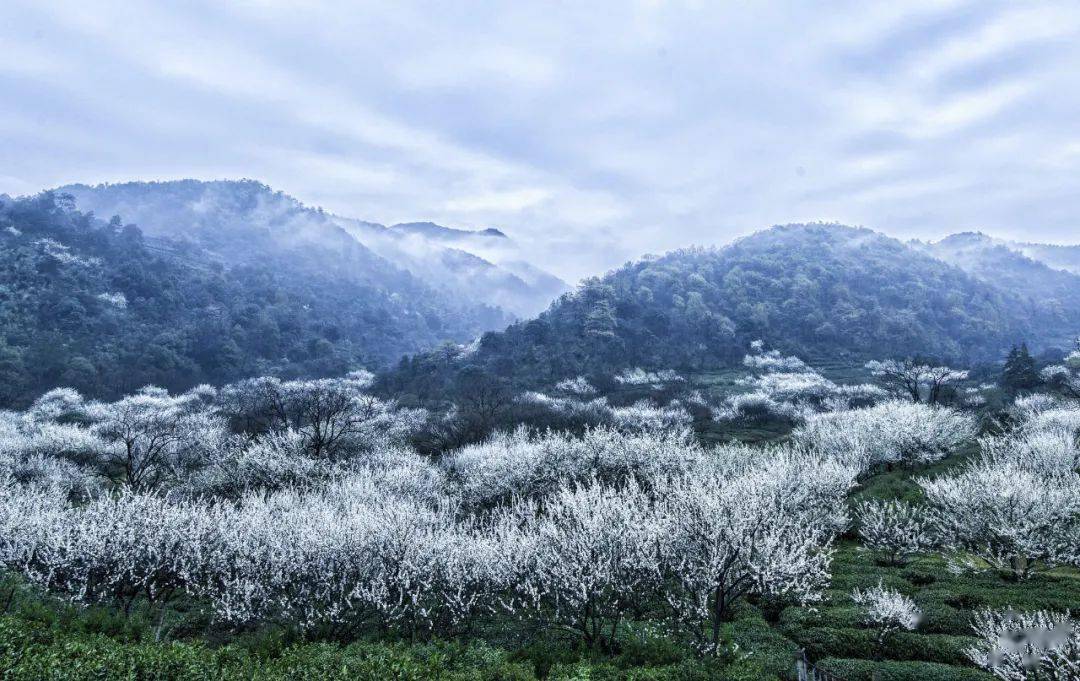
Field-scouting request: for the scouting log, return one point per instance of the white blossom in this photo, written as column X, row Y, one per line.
column 1023, row 646
column 889, row 433
column 887, row 610
column 895, row 529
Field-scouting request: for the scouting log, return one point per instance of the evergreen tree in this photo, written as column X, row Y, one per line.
column 1020, row 372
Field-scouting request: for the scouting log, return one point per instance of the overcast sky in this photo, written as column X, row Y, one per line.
column 592, row 132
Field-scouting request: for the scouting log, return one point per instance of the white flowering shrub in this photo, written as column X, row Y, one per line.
column 1040, row 411
column 115, row 299
column 653, row 379
column 1064, row 377
column 1024, row 646
column 59, row 405
column 895, row 529
column 759, row 405
column 887, row 610
column 1048, row 448
column 888, row 433
column 771, row 360
column 272, row 461
column 641, row 416
column 578, row 385
column 111, row 549
column 588, row 557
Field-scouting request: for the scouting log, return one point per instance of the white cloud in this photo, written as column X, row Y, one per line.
column 505, row 201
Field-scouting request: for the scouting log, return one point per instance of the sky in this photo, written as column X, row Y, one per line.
column 590, row 132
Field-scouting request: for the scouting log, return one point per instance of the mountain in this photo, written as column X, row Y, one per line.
column 201, row 291
column 224, row 216
column 817, row 290
column 1054, row 293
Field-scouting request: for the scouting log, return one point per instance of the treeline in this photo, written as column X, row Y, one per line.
column 97, row 306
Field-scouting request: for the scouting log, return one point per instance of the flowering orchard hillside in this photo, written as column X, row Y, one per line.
column 271, row 523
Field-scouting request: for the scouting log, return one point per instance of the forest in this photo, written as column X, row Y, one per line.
column 904, row 520
column 99, row 306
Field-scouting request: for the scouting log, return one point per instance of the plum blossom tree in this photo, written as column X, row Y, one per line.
column 894, row 529
column 336, row 418
column 787, row 388
column 578, row 386
column 592, row 554
column 1025, row 646
column 1014, row 509
column 529, row 464
column 1065, row 377
column 887, row 434
column 886, row 610
column 112, row 549
column 759, row 530
column 155, row 437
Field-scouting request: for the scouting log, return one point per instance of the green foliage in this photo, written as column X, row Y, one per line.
column 822, row 642
column 29, row 652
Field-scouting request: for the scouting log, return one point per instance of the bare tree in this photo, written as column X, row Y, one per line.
column 914, row 379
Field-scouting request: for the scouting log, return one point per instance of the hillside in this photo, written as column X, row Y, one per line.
column 1053, row 293
column 238, row 220
column 103, row 307
column 813, row 290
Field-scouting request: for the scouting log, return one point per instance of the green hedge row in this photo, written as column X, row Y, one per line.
column 863, row 670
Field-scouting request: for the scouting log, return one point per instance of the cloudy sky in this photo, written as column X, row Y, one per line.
column 592, row 132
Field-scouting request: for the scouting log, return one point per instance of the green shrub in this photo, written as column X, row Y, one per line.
column 27, row 653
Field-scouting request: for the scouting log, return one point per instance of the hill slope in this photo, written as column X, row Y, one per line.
column 814, row 290
column 1054, row 293
column 104, row 308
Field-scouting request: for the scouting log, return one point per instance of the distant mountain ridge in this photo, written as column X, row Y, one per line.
column 434, row 231
column 215, row 214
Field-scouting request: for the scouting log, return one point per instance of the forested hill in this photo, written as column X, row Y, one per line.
column 242, row 220
column 103, row 308
column 813, row 290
